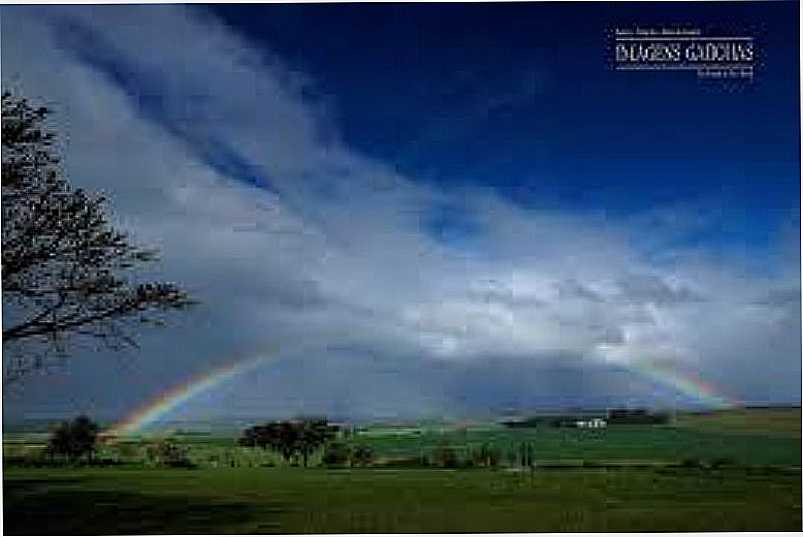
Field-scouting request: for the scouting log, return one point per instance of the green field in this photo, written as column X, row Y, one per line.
column 624, row 478
column 272, row 500
column 777, row 422
column 621, row 443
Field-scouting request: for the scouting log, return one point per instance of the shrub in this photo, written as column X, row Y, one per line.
column 488, row 456
column 362, row 455
column 126, row 451
column 337, row 454
column 445, row 456
column 168, row 453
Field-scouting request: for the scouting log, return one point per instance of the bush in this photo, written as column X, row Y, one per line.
column 337, row 454
column 127, row 451
column 168, row 453
column 487, row 456
column 445, row 456
column 362, row 455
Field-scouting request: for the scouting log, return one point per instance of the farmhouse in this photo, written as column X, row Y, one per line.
column 593, row 423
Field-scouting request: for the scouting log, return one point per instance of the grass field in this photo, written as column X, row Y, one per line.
column 284, row 500
column 780, row 422
column 234, row 491
column 622, row 443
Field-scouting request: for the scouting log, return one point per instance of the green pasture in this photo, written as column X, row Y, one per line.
column 294, row 500
column 618, row 443
column 703, row 440
column 728, row 471
column 780, row 422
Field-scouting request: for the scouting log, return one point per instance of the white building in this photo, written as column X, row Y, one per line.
column 593, row 423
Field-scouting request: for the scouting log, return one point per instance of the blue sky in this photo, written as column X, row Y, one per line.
column 461, row 206
column 499, row 95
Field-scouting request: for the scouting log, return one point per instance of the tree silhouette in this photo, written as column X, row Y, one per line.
column 65, row 269
column 74, row 439
column 291, row 438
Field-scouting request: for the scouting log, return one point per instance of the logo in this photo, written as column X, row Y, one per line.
column 678, row 49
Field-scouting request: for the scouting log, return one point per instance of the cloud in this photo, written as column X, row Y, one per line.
column 651, row 289
column 217, row 154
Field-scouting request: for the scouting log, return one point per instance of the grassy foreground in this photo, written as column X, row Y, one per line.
column 625, row 478
column 291, row 500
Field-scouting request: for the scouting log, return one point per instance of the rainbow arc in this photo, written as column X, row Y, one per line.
column 156, row 409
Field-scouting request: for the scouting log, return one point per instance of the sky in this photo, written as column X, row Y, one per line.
column 428, row 210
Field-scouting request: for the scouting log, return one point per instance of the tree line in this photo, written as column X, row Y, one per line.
column 76, row 441
column 301, row 438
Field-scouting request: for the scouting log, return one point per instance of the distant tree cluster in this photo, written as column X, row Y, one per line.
column 636, row 416
column 292, row 439
column 74, row 440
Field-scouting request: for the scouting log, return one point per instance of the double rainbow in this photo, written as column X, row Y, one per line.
column 140, row 419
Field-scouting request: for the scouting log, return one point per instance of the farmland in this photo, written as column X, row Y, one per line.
column 725, row 471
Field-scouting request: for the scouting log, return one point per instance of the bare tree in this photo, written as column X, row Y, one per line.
column 66, row 271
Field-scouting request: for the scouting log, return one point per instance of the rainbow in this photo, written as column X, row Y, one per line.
column 167, row 401
column 660, row 372
column 685, row 382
